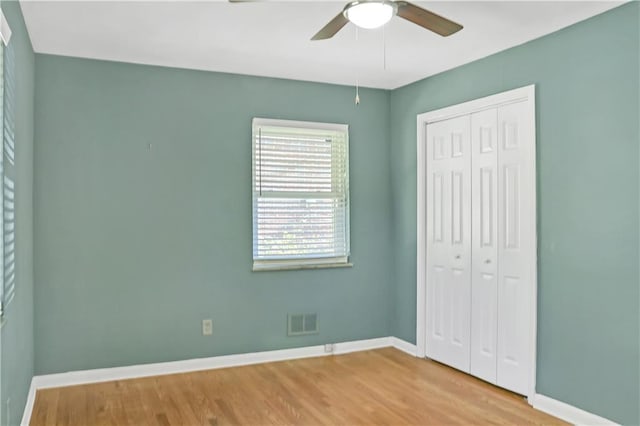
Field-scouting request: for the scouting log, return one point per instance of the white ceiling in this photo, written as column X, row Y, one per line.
column 272, row 38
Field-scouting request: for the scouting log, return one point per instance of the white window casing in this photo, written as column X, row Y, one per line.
column 300, row 194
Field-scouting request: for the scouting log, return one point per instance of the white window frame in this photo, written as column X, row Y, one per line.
column 299, row 263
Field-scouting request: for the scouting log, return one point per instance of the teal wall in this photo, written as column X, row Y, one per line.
column 588, row 197
column 17, row 334
column 134, row 247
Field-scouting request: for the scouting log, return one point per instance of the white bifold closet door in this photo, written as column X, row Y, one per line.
column 516, row 242
column 449, row 242
column 480, row 232
column 484, row 292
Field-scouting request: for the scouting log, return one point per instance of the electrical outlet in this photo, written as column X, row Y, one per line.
column 328, row 348
column 207, row 327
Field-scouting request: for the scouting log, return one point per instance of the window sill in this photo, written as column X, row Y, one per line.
column 266, row 268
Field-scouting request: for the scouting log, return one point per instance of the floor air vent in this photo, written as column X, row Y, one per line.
column 300, row 324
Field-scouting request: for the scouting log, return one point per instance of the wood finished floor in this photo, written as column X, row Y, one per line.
column 383, row 386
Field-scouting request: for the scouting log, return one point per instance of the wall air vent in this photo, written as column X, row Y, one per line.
column 302, row 324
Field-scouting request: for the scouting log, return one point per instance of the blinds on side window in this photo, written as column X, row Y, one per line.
column 7, row 164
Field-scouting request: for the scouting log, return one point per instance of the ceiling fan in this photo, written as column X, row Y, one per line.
column 371, row 14
column 375, row 13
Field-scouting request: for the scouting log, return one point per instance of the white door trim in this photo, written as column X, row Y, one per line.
column 526, row 94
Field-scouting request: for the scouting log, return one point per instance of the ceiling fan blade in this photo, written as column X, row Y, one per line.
column 331, row 28
column 426, row 19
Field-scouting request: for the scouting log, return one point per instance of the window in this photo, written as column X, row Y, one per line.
column 7, row 168
column 300, row 194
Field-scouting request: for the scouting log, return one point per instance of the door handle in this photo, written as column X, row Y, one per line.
column 488, row 261
column 458, row 256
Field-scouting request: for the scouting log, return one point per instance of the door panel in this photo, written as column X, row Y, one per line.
column 457, row 206
column 457, row 314
column 511, row 182
column 449, row 242
column 438, row 207
column 438, row 299
column 511, row 307
column 487, row 209
column 516, row 236
column 484, row 270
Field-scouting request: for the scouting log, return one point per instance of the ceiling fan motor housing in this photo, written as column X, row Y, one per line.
column 370, row 14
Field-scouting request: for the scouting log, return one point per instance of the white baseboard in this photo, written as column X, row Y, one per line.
column 28, row 407
column 404, row 346
column 136, row 371
column 360, row 345
column 567, row 412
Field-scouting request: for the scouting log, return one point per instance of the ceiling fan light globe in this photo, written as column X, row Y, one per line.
column 369, row 15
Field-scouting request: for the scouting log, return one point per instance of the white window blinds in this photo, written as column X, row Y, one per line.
column 300, row 194
column 7, row 167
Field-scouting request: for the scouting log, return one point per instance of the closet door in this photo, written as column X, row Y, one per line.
column 516, row 237
column 449, row 242
column 484, row 269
